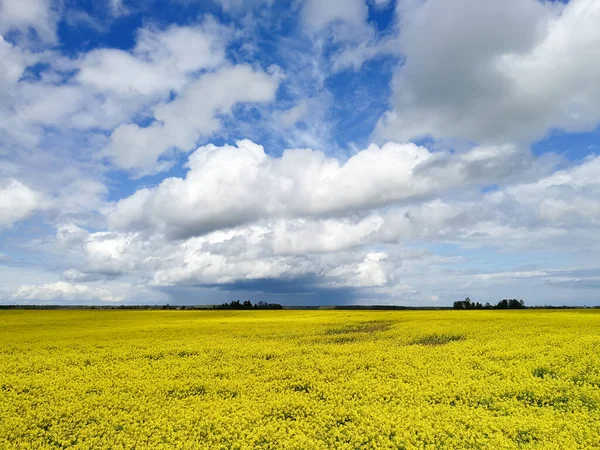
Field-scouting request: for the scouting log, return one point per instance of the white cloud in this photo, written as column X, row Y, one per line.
column 110, row 254
column 23, row 15
column 193, row 114
column 162, row 60
column 69, row 235
column 34, row 285
column 569, row 198
column 301, row 236
column 64, row 291
column 492, row 71
column 120, row 72
column 318, row 15
column 109, row 88
column 228, row 186
column 269, row 250
column 240, row 256
column 370, row 272
column 58, row 116
column 17, row 202
column 77, row 276
column 15, row 276
column 13, row 62
column 365, row 251
column 80, row 197
column 48, row 105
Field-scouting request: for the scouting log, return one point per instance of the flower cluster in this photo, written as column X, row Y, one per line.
column 299, row 379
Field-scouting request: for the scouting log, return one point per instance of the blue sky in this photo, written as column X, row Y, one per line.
column 409, row 152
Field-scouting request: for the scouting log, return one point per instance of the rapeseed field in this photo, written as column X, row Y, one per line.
column 299, row 379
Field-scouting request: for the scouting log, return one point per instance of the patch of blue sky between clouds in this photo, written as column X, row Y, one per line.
column 572, row 146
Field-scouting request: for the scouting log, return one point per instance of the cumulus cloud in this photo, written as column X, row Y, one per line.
column 229, row 186
column 270, row 248
column 351, row 250
column 370, row 272
column 69, row 234
column 76, row 107
column 234, row 259
column 195, row 113
column 161, row 61
column 17, row 202
column 108, row 253
column 78, row 100
column 223, row 258
column 176, row 78
column 568, row 198
column 107, row 87
column 181, row 78
column 495, row 71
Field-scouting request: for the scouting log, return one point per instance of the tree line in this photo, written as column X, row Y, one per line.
column 248, row 305
column 507, row 303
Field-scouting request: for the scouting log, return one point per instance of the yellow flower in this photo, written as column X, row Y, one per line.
column 299, row 379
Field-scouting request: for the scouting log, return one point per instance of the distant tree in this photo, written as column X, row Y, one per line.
column 466, row 304
column 511, row 303
column 502, row 304
column 248, row 305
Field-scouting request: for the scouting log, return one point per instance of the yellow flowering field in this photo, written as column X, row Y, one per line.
column 101, row 379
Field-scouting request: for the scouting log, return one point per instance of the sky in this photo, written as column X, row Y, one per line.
column 304, row 152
